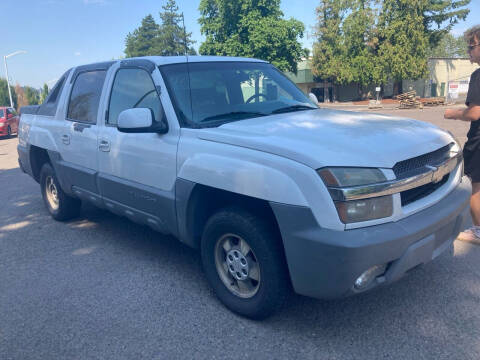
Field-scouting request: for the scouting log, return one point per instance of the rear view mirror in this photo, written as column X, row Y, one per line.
column 140, row 120
column 313, row 97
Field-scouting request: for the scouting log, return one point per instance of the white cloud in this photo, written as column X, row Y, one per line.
column 77, row 53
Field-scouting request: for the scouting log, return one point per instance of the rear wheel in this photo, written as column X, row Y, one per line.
column 60, row 206
column 244, row 263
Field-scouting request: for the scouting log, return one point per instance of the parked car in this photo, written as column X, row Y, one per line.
column 8, row 121
column 229, row 156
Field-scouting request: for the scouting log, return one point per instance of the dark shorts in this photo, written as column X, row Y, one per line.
column 471, row 155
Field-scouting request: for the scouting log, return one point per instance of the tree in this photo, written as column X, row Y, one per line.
column 4, row 98
column 143, row 41
column 403, row 41
column 22, row 99
column 32, row 95
column 329, row 51
column 172, row 38
column 439, row 16
column 346, row 38
column 44, row 93
column 251, row 28
column 167, row 39
column 449, row 46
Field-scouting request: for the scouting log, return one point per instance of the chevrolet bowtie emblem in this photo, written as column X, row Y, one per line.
column 437, row 173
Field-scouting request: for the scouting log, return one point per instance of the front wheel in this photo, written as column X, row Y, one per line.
column 244, row 263
column 60, row 206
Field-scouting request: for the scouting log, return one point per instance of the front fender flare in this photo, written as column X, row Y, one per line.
column 242, row 177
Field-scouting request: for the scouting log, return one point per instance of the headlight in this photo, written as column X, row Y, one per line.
column 342, row 177
column 357, row 210
column 2, row 124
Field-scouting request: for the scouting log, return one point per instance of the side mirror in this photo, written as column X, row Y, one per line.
column 140, row 120
column 313, row 98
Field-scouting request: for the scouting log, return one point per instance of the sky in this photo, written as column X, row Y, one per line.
column 60, row 34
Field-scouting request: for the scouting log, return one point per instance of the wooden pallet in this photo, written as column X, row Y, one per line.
column 434, row 101
column 409, row 100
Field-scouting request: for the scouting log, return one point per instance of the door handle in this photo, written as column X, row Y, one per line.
column 66, row 139
column 104, row 145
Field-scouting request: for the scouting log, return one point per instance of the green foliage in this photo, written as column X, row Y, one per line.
column 374, row 41
column 32, row 95
column 450, row 46
column 171, row 38
column 4, row 98
column 44, row 93
column 403, row 42
column 166, row 39
column 143, row 41
column 345, row 50
column 439, row 16
column 251, row 28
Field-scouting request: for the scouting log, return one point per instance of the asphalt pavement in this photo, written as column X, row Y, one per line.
column 102, row 287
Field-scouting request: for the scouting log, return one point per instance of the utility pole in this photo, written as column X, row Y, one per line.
column 6, row 72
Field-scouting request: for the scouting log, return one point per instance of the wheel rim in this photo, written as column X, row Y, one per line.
column 52, row 192
column 237, row 265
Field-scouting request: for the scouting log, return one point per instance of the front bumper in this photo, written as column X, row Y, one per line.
column 325, row 263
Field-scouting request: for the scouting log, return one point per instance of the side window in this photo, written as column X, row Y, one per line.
column 133, row 88
column 85, row 96
column 52, row 98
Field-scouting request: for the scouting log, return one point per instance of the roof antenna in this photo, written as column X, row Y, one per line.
column 185, row 37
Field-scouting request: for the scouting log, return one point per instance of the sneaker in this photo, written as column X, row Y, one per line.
column 471, row 235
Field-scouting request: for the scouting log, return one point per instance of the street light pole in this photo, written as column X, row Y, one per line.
column 6, row 72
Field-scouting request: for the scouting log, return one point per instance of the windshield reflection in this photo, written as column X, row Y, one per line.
column 213, row 93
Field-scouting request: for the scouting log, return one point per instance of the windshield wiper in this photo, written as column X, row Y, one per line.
column 293, row 108
column 233, row 113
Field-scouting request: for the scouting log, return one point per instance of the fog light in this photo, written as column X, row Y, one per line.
column 365, row 279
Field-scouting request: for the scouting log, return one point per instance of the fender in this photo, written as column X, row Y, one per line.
column 41, row 137
column 242, row 177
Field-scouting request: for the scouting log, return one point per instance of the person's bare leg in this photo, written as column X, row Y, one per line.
column 475, row 203
column 473, row 234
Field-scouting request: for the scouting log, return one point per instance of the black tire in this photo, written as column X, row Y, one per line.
column 66, row 207
column 265, row 244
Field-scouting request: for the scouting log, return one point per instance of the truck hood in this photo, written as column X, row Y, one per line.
column 325, row 137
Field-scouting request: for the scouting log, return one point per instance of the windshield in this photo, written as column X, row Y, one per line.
column 2, row 114
column 213, row 93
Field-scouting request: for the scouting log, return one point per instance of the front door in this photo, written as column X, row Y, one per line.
column 138, row 170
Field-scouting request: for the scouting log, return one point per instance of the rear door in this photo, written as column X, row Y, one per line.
column 79, row 137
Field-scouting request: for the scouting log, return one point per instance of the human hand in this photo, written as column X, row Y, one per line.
column 450, row 114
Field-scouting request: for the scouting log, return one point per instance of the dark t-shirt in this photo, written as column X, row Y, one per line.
column 473, row 98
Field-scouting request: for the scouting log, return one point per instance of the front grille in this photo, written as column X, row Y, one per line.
column 402, row 168
column 406, row 168
column 409, row 196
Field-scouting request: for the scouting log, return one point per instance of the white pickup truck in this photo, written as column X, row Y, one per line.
column 230, row 157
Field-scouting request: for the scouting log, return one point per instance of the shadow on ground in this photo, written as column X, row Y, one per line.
column 101, row 286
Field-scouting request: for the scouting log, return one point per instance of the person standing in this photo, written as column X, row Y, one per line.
column 471, row 150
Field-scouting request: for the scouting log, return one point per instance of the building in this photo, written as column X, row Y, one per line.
column 444, row 73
